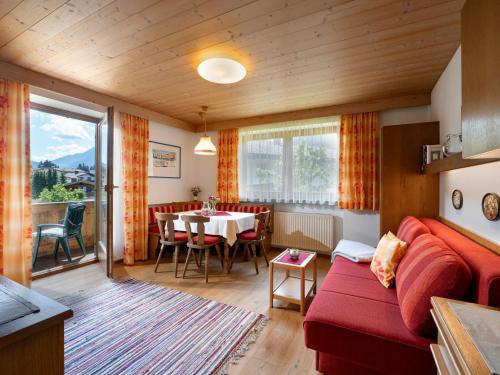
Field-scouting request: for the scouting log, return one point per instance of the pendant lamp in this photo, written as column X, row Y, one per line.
column 205, row 145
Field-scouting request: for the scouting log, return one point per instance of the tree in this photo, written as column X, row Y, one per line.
column 62, row 178
column 59, row 193
column 38, row 183
column 51, row 178
column 313, row 169
column 47, row 164
column 83, row 167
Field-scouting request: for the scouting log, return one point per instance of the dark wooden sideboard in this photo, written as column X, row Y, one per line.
column 33, row 344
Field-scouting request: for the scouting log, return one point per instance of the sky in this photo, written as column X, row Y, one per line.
column 54, row 136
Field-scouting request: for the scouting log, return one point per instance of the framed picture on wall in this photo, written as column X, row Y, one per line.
column 164, row 160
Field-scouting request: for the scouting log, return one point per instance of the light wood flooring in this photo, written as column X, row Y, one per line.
column 280, row 347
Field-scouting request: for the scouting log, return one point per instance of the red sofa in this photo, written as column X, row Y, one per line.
column 357, row 326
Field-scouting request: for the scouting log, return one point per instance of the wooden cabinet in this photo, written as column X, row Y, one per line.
column 456, row 350
column 404, row 189
column 33, row 344
column 481, row 79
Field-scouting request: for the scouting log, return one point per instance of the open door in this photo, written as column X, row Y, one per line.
column 104, row 193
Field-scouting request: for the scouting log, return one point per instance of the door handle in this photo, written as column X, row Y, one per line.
column 106, row 189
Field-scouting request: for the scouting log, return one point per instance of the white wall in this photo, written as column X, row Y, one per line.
column 172, row 189
column 474, row 182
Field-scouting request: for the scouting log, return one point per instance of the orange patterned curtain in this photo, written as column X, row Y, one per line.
column 227, row 166
column 358, row 179
column 135, row 139
column 16, row 242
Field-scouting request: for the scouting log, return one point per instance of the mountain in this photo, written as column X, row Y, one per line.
column 72, row 161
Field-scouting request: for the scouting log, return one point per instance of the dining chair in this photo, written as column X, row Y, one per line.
column 253, row 237
column 169, row 236
column 67, row 228
column 200, row 242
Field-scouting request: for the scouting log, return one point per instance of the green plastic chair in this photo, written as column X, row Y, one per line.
column 69, row 227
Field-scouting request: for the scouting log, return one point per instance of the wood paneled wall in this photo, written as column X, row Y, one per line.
column 481, row 79
column 405, row 190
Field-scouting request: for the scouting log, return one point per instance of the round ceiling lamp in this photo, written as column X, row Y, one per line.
column 222, row 70
column 205, row 145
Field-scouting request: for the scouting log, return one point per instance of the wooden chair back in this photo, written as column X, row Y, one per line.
column 166, row 220
column 200, row 228
column 262, row 219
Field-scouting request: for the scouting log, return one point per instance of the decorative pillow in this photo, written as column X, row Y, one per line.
column 390, row 250
column 429, row 268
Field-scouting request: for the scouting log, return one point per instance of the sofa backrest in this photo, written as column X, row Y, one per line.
column 429, row 268
column 410, row 228
column 484, row 264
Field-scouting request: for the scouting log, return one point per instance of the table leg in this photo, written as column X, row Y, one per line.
column 271, row 284
column 315, row 274
column 226, row 256
column 302, row 291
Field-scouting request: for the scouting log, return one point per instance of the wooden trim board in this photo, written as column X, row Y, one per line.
column 493, row 246
column 14, row 72
column 333, row 110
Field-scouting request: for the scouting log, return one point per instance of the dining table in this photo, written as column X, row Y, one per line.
column 222, row 223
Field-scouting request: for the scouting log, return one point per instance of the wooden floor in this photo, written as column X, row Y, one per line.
column 280, row 347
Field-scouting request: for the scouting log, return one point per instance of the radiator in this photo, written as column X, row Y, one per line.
column 304, row 231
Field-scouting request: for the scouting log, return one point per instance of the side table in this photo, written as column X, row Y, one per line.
column 294, row 288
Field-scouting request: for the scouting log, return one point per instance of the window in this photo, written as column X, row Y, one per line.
column 294, row 162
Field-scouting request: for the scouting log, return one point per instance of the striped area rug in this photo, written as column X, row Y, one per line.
column 136, row 327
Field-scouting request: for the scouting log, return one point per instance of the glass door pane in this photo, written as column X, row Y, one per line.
column 104, row 196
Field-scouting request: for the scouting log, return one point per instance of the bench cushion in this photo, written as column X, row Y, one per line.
column 430, row 268
column 166, row 208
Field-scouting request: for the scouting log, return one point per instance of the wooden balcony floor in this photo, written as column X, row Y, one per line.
column 47, row 262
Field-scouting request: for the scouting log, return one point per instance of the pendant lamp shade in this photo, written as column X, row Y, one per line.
column 205, row 145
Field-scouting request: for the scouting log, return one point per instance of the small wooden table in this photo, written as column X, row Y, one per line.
column 293, row 289
column 456, row 351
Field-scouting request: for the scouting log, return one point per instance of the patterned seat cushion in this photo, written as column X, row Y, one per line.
column 248, row 235
column 209, row 240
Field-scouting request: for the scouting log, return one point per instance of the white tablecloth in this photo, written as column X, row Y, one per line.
column 227, row 226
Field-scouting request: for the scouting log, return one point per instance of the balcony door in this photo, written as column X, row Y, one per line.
column 104, row 190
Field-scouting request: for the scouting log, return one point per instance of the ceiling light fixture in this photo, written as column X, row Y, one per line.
column 221, row 70
column 205, row 145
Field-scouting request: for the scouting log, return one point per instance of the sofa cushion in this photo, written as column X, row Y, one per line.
column 344, row 266
column 484, row 264
column 366, row 332
column 430, row 268
column 410, row 228
column 369, row 288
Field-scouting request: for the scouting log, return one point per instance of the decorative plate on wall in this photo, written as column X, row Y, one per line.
column 457, row 199
column 491, row 206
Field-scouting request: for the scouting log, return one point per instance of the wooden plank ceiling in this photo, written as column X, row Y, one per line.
column 299, row 53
